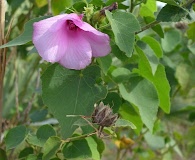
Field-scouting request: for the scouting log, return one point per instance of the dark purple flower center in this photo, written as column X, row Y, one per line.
column 71, row 25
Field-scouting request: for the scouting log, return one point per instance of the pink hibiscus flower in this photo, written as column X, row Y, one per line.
column 68, row 40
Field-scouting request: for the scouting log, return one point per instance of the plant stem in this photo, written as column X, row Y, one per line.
column 152, row 24
column 78, row 137
column 2, row 58
column 131, row 6
column 118, row 154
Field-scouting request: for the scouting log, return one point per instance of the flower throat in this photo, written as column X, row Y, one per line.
column 71, row 25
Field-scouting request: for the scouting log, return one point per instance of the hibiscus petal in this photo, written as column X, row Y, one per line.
column 100, row 42
column 50, row 37
column 78, row 54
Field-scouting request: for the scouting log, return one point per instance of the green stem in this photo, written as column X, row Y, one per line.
column 152, row 24
column 78, row 137
column 131, row 6
column 118, row 154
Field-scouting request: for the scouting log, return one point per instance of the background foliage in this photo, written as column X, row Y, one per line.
column 148, row 79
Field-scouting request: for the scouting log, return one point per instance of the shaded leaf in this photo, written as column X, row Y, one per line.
column 15, row 136
column 105, row 63
column 44, row 132
column 128, row 112
column 25, row 152
column 171, row 2
column 77, row 149
column 171, row 39
column 154, row 141
column 71, row 92
column 114, row 100
column 120, row 74
column 186, row 76
column 171, row 13
column 3, row 154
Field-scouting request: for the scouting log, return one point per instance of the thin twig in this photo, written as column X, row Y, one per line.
column 131, row 6
column 2, row 58
column 78, row 137
column 150, row 25
column 16, row 89
column 49, row 7
column 188, row 3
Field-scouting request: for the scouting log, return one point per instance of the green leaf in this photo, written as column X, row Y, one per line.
column 25, row 152
column 50, row 147
column 58, row 5
column 105, row 63
column 171, row 13
column 114, row 100
column 83, row 149
column 171, row 40
column 100, row 144
column 41, row 3
column 120, row 75
column 141, row 93
column 93, row 147
column 191, row 31
column 118, row 53
column 154, row 45
column 3, row 154
column 15, row 136
column 26, row 36
column 31, row 157
column 124, row 26
column 33, row 140
column 157, row 28
column 77, row 149
column 44, row 132
column 147, row 9
column 158, row 79
column 155, row 142
column 124, row 123
column 71, row 92
column 171, row 2
column 38, row 115
column 127, row 112
column 186, row 76
column 151, row 57
column 191, row 47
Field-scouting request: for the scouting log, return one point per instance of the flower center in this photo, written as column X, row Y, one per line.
column 71, row 25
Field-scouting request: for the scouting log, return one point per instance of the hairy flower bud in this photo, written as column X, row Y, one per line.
column 100, row 15
column 103, row 115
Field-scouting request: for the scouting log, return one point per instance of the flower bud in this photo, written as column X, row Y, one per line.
column 100, row 15
column 103, row 115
